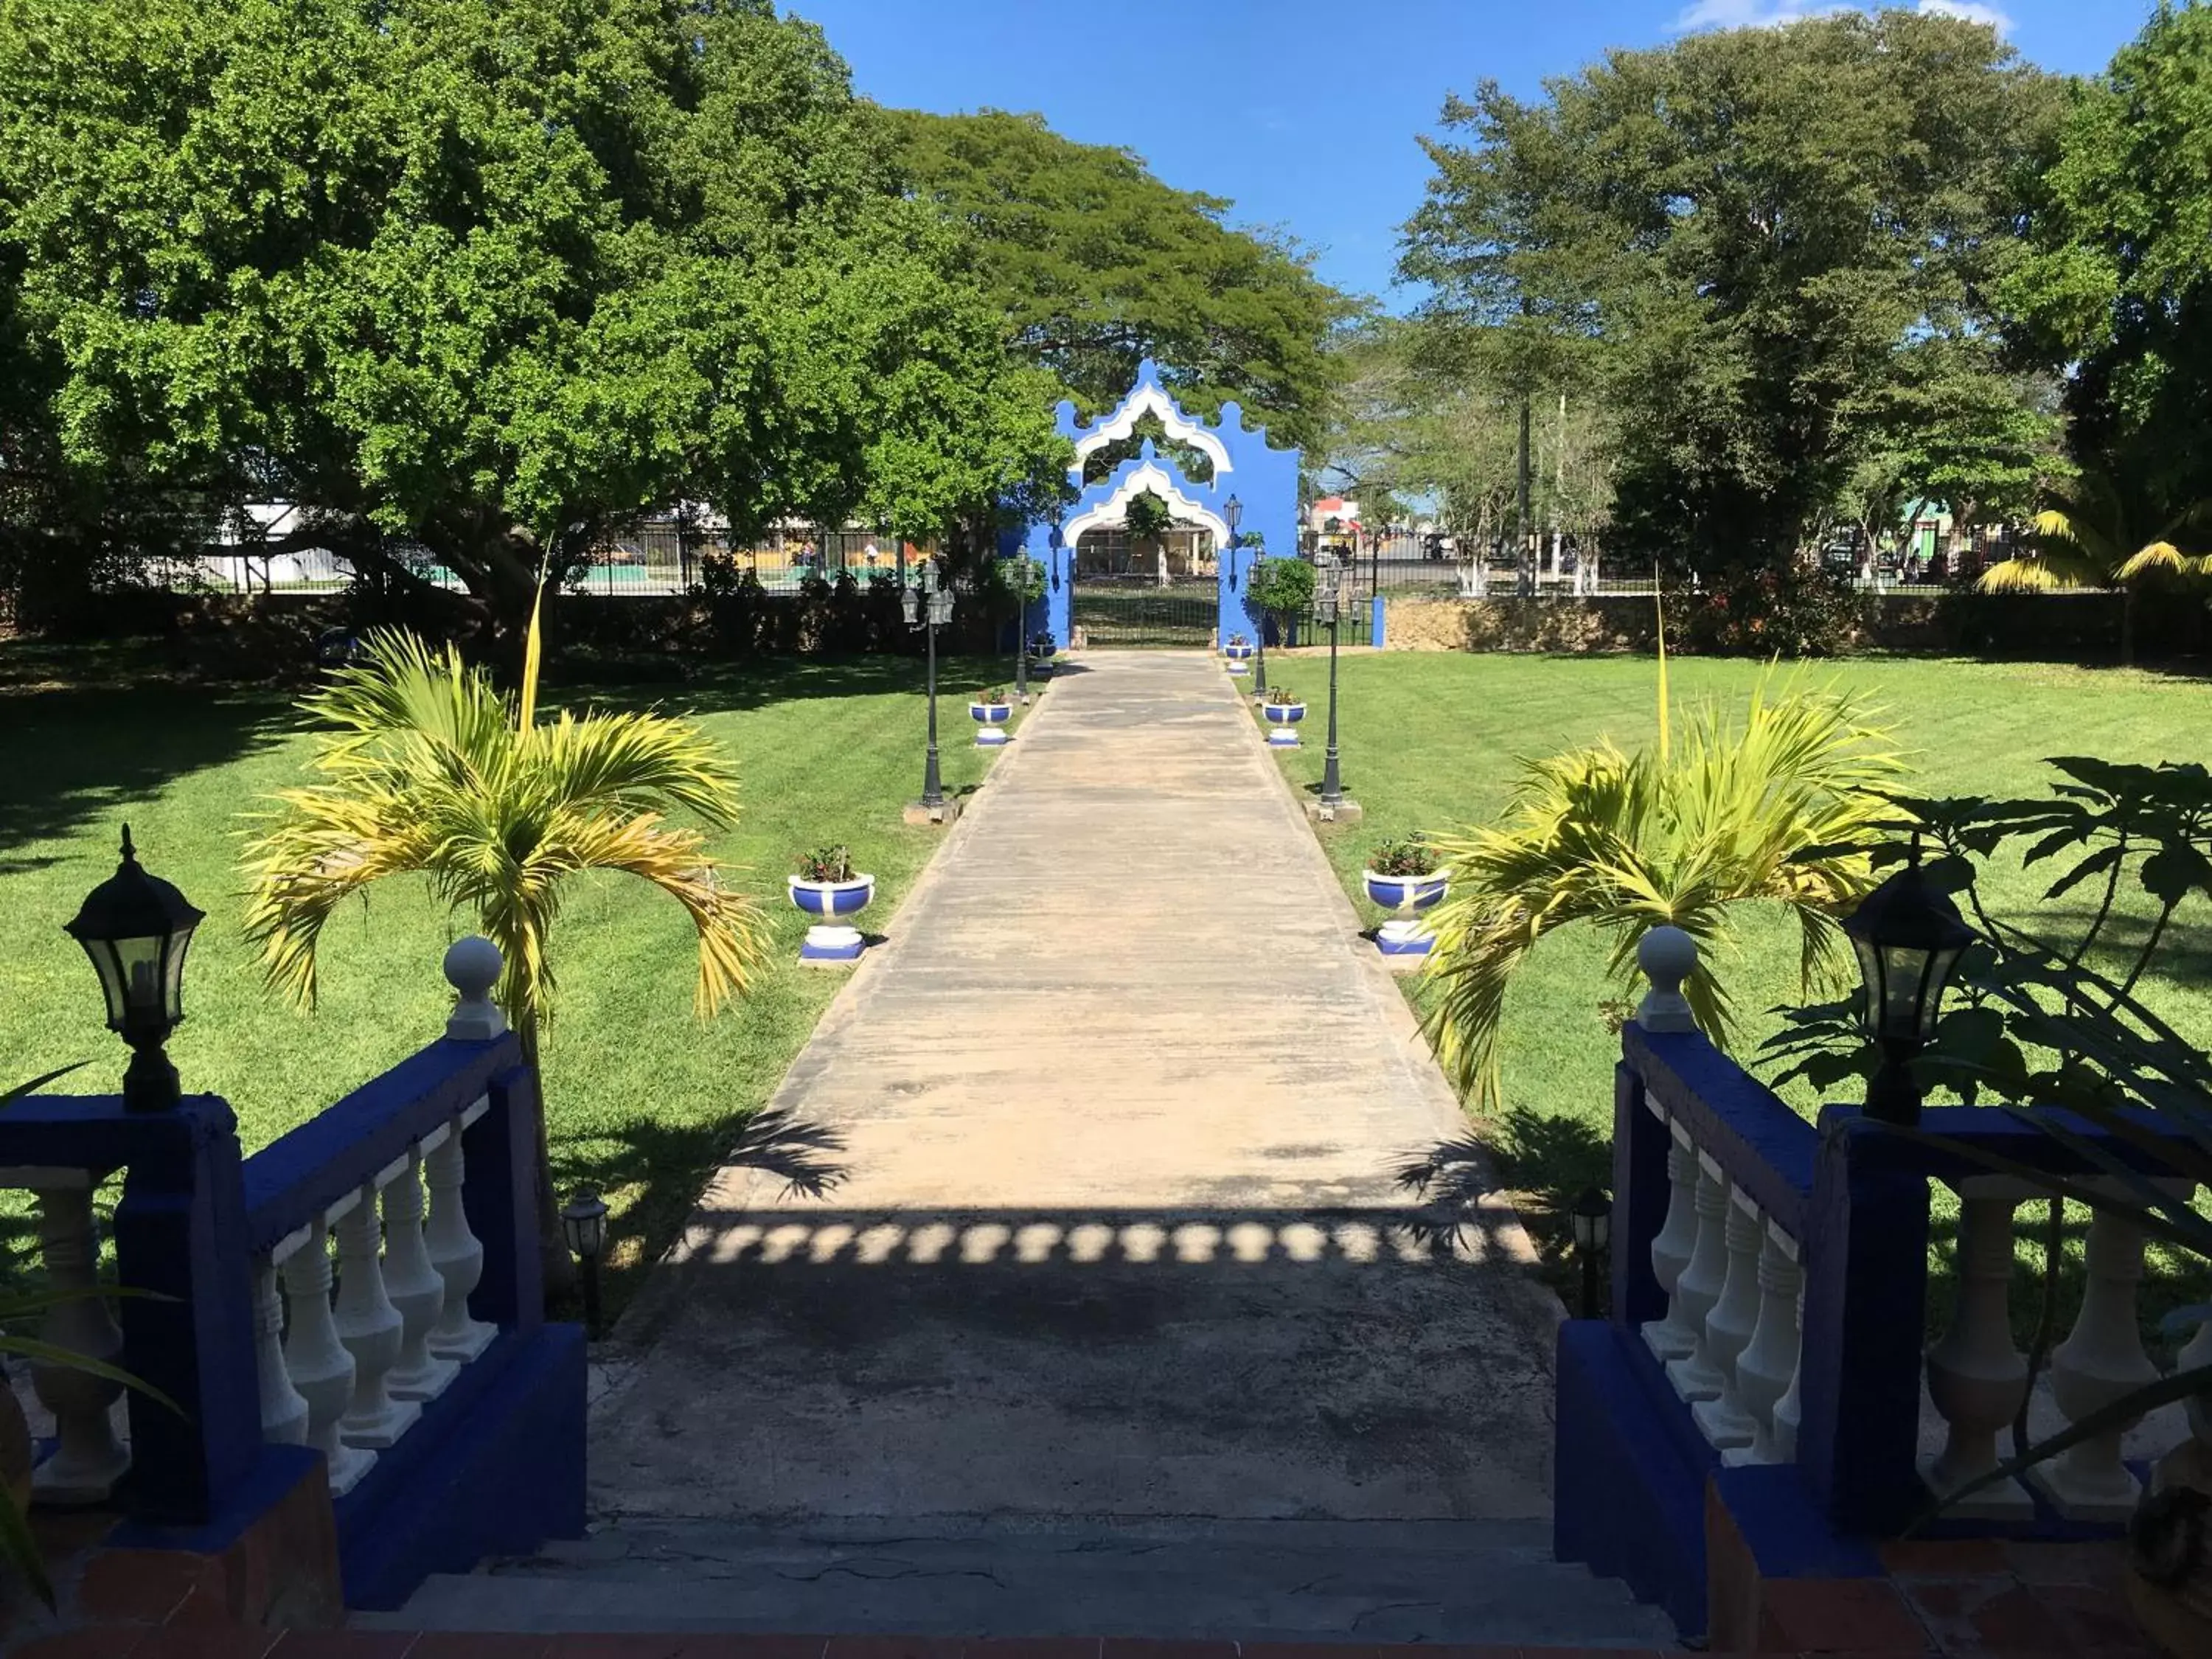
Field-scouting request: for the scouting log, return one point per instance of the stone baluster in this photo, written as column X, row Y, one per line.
column 320, row 1367
column 1766, row 1370
column 369, row 1326
column 1670, row 1338
column 1790, row 1412
column 89, row 1459
column 1729, row 1327
column 455, row 1252
column 2101, row 1358
column 413, row 1286
column 2190, row 1463
column 1695, row 1376
column 1976, row 1376
column 284, row 1412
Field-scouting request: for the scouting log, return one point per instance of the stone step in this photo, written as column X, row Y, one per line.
column 1490, row 1582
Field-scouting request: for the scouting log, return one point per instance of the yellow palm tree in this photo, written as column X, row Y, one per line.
column 2091, row 535
column 1730, row 810
column 430, row 771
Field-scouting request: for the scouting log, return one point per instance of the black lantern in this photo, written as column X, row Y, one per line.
column 584, row 1220
column 1592, row 1217
column 910, row 604
column 1908, row 936
column 137, row 929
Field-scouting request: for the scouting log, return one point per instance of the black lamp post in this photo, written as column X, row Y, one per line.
column 928, row 606
column 1908, row 936
column 1232, row 515
column 1592, row 1216
column 1325, row 610
column 583, row 1219
column 137, row 929
column 1022, row 567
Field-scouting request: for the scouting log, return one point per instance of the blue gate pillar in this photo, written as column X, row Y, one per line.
column 1264, row 480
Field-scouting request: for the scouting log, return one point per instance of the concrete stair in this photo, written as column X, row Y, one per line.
column 1485, row 1581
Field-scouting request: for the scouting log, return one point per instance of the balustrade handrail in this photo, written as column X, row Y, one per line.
column 303, row 1173
column 1760, row 1142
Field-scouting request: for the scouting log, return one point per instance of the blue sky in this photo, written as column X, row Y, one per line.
column 1305, row 113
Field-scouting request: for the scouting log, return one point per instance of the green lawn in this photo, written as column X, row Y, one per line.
column 1428, row 741
column 641, row 1098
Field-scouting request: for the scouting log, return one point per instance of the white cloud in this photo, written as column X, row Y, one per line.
column 1772, row 14
column 1749, row 13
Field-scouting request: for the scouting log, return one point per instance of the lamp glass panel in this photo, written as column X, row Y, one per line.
column 1870, row 978
column 908, row 603
column 172, row 978
column 1905, row 983
column 138, row 963
column 1942, row 966
column 104, row 962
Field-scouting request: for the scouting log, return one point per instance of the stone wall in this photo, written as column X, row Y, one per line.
column 2056, row 626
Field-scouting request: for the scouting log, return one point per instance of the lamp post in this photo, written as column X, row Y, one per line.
column 1592, row 1217
column 584, row 1220
column 1908, row 937
column 1325, row 609
column 928, row 606
column 136, row 928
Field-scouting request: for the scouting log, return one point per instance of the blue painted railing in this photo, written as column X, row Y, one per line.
column 1742, row 1237
column 484, row 1455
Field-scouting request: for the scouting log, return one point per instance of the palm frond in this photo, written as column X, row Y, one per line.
column 1630, row 843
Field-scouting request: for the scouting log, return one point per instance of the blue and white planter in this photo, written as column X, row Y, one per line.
column 1283, row 718
column 990, row 720
column 827, row 940
column 1239, row 652
column 1406, row 935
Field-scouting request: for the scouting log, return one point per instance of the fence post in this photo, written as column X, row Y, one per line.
column 499, row 1194
column 1377, row 628
column 1641, row 1191
column 180, row 1236
column 1866, row 1284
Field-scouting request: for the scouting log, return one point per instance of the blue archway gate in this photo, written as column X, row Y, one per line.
column 1134, row 609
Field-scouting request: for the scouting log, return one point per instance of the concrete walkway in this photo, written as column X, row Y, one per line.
column 1113, row 1120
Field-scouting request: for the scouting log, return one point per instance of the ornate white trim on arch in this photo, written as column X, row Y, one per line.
column 1148, row 397
column 1152, row 477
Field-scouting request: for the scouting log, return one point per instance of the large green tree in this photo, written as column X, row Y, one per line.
column 1096, row 265
column 487, row 276
column 2118, row 288
column 1752, row 245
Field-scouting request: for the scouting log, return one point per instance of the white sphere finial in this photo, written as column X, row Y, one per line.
column 1668, row 956
column 472, row 966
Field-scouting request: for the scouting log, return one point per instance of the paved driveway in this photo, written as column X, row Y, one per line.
column 1115, row 1117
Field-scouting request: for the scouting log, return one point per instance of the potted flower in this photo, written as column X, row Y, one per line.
column 1237, row 648
column 990, row 711
column 1043, row 648
column 1404, row 876
column 826, row 885
column 1283, row 710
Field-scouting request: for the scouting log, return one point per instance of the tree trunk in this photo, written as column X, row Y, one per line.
column 2127, row 624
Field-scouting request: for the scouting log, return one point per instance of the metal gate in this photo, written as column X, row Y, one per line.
column 1136, row 610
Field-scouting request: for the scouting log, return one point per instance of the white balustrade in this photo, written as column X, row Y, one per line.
column 414, row 1286
column 2101, row 1359
column 284, row 1411
column 1977, row 1376
column 1790, row 1415
column 1670, row 1338
column 1695, row 1376
column 455, row 1253
column 1729, row 1327
column 369, row 1325
column 89, row 1458
column 320, row 1366
column 1766, row 1370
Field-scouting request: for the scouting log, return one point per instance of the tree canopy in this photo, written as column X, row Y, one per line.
column 478, row 276
column 2118, row 282
column 1096, row 265
column 1762, row 249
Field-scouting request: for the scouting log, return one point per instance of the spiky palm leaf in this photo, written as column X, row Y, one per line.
column 1629, row 842
column 429, row 773
column 2091, row 536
